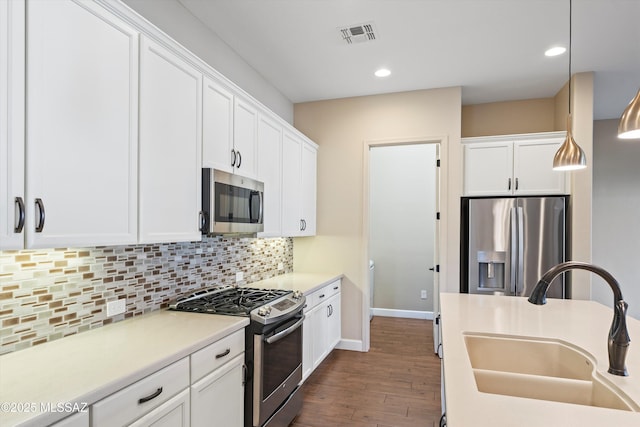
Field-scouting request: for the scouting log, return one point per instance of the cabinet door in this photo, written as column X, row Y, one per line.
column 245, row 124
column 533, row 168
column 12, row 63
column 82, row 126
column 308, row 334
column 172, row 413
column 217, row 127
column 291, row 189
column 308, row 184
column 217, row 400
column 170, row 146
column 333, row 318
column 270, row 172
column 488, row 169
column 318, row 318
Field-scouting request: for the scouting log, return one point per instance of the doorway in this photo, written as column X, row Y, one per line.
column 403, row 201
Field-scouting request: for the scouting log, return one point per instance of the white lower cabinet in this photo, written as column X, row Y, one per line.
column 173, row 413
column 321, row 330
column 217, row 400
column 147, row 397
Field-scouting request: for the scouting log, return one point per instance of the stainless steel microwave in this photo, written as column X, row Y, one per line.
column 231, row 204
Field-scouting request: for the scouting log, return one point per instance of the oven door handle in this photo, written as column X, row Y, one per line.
column 282, row 334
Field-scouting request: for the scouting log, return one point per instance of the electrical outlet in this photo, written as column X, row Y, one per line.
column 239, row 276
column 280, row 266
column 116, row 307
column 423, row 294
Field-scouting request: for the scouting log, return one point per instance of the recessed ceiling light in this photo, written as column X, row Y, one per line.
column 555, row 51
column 382, row 72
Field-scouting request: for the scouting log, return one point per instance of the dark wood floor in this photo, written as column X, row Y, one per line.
column 395, row 384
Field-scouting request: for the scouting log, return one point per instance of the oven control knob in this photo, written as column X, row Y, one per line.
column 297, row 294
column 264, row 311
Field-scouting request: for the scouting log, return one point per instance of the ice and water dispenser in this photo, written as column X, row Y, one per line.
column 491, row 271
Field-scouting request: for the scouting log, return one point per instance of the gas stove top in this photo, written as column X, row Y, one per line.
column 263, row 305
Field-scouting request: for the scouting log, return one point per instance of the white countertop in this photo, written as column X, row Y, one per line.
column 303, row 282
column 87, row 367
column 584, row 324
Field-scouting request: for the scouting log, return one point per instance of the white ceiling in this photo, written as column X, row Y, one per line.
column 493, row 49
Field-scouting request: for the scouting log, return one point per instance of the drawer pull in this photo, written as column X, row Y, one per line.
column 335, row 288
column 223, row 354
column 150, row 397
column 322, row 296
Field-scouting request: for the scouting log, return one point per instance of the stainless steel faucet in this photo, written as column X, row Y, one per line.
column 618, row 341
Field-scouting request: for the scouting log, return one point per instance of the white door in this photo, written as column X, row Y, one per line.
column 291, row 188
column 308, row 185
column 488, row 168
column 12, row 124
column 532, row 165
column 245, row 125
column 82, row 116
column 270, row 173
column 170, row 146
column 218, row 398
column 217, row 127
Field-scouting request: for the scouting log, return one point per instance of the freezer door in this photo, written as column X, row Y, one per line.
column 541, row 224
column 491, row 242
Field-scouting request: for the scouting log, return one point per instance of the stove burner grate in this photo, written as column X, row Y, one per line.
column 230, row 301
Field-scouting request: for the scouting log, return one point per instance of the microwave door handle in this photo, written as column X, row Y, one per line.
column 261, row 198
column 252, row 195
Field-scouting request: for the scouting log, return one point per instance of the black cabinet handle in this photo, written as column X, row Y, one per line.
column 245, row 374
column 40, row 223
column 509, row 185
column 239, row 159
column 517, row 184
column 233, row 162
column 18, row 228
column 335, row 288
column 150, row 397
column 223, row 354
column 322, row 296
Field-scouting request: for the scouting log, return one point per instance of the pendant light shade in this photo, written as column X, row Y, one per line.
column 629, row 127
column 569, row 156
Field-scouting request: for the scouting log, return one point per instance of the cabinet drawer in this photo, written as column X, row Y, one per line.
column 322, row 294
column 125, row 406
column 215, row 355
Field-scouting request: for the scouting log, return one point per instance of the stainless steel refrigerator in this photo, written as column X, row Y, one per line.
column 509, row 243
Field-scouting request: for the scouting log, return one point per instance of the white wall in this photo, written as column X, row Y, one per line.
column 402, row 223
column 616, row 214
column 175, row 20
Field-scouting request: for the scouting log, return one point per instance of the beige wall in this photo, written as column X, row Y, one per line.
column 507, row 118
column 342, row 128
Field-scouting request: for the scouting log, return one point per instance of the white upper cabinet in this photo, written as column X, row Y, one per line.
column 12, row 124
column 229, row 131
column 217, row 127
column 299, row 158
column 517, row 165
column 81, row 126
column 270, row 172
column 245, row 131
column 170, row 146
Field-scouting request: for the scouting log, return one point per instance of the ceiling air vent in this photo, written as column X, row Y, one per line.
column 358, row 33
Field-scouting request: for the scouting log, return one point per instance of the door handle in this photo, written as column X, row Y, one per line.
column 41, row 216
column 233, row 161
column 20, row 203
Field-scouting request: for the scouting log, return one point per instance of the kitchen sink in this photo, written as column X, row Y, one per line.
column 542, row 369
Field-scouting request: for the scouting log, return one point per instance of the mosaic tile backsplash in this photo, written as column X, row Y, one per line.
column 49, row 294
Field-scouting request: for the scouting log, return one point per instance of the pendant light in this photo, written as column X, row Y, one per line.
column 569, row 156
column 629, row 127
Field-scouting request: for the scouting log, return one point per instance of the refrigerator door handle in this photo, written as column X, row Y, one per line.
column 514, row 250
column 520, row 275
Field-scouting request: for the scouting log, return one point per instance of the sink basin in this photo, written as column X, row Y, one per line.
column 541, row 369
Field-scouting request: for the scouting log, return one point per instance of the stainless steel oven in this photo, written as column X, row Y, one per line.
column 273, row 347
column 277, row 367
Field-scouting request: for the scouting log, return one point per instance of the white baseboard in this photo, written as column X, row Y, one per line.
column 353, row 345
column 409, row 314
